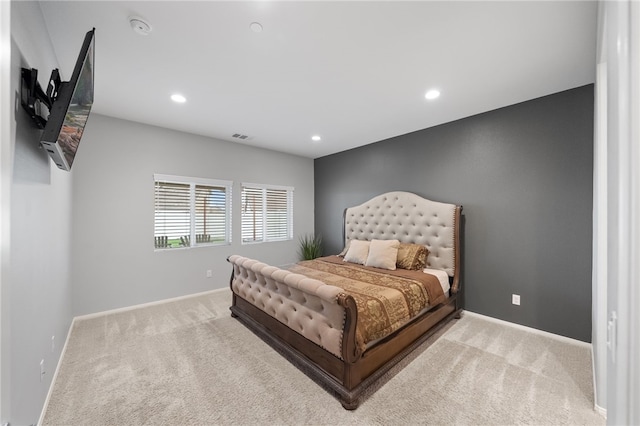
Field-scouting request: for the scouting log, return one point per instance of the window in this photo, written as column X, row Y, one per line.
column 191, row 212
column 267, row 213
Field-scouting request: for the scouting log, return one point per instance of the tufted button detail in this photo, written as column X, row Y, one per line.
column 409, row 219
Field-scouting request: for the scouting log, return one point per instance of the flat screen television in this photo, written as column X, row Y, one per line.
column 70, row 109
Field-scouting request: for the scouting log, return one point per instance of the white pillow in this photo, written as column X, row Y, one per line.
column 357, row 252
column 383, row 254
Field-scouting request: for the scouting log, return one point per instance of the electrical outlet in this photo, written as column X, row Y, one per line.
column 53, row 344
column 42, row 369
column 209, row 274
column 515, row 299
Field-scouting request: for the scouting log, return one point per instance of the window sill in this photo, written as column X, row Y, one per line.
column 156, row 249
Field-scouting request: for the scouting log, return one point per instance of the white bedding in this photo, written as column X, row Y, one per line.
column 442, row 276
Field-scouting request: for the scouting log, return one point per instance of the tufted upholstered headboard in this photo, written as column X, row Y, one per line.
column 409, row 218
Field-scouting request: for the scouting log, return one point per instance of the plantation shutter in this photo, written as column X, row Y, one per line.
column 191, row 212
column 252, row 215
column 210, row 214
column 172, row 211
column 277, row 214
column 267, row 213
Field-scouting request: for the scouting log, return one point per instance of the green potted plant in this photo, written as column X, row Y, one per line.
column 310, row 246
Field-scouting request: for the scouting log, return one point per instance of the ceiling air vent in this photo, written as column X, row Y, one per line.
column 240, row 136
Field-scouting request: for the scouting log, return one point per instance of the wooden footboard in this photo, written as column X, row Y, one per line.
column 314, row 326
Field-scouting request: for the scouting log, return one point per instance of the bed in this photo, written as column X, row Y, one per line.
column 321, row 315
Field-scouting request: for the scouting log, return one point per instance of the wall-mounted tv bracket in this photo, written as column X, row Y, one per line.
column 54, row 85
column 34, row 100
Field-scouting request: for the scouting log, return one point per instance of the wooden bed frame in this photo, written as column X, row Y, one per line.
column 348, row 372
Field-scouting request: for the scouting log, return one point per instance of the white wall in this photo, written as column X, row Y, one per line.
column 39, row 288
column 114, row 262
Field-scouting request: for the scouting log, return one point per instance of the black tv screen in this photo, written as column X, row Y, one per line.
column 71, row 108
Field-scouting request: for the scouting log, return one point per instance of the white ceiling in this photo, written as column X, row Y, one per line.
column 352, row 72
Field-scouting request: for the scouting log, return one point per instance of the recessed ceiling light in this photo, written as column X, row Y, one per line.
column 178, row 98
column 256, row 27
column 432, row 94
column 316, row 138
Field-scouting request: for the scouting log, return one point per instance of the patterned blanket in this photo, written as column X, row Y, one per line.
column 386, row 300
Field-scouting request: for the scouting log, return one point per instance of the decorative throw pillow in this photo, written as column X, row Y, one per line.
column 412, row 256
column 357, row 252
column 383, row 254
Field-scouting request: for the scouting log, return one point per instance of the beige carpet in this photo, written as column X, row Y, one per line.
column 189, row 362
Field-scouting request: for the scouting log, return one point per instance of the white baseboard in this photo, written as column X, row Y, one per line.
column 600, row 410
column 531, row 330
column 55, row 374
column 145, row 305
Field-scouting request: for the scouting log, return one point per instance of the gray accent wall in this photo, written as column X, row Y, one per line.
column 114, row 261
column 524, row 176
column 38, row 292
